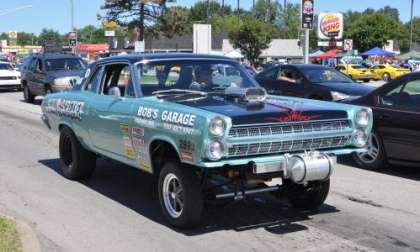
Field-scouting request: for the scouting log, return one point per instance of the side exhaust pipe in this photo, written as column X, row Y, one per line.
column 312, row 166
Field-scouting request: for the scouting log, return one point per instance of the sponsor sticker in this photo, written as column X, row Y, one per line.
column 127, row 142
column 65, row 108
column 137, row 132
column 138, row 142
column 145, row 165
column 179, row 129
column 125, row 129
column 130, row 153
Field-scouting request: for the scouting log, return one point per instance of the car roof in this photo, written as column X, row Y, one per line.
column 136, row 57
column 308, row 66
column 55, row 56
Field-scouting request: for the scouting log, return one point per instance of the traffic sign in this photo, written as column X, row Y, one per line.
column 72, row 38
column 348, row 44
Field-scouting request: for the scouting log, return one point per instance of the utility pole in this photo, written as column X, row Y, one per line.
column 71, row 15
column 223, row 19
column 208, row 11
column 239, row 15
column 306, row 48
column 141, row 32
column 411, row 25
column 268, row 14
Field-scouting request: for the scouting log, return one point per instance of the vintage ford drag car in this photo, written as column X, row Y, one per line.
column 207, row 134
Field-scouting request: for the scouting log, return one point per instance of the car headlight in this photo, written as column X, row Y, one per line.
column 66, row 81
column 337, row 96
column 217, row 127
column 362, row 118
column 361, row 138
column 215, row 150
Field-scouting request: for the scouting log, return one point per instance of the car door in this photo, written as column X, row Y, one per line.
column 38, row 77
column 397, row 118
column 111, row 114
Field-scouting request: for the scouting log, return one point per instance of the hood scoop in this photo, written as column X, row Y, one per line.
column 248, row 96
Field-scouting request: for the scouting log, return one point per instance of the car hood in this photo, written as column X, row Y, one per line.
column 352, row 89
column 65, row 73
column 273, row 110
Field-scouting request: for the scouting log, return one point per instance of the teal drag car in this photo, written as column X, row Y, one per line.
column 207, row 133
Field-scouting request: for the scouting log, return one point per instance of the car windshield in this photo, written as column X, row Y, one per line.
column 319, row 75
column 192, row 76
column 6, row 67
column 64, row 64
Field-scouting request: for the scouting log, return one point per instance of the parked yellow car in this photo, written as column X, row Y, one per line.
column 356, row 72
column 388, row 72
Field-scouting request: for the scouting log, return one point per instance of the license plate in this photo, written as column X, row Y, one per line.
column 269, row 167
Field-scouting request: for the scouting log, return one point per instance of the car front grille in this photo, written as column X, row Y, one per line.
column 284, row 129
column 287, row 146
column 288, row 137
column 8, row 78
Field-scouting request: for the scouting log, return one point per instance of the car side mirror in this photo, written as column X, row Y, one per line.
column 114, row 91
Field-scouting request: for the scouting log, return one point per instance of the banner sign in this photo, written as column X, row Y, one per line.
column 307, row 14
column 348, row 44
column 330, row 26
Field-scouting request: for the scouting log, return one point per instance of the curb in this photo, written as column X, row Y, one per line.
column 27, row 236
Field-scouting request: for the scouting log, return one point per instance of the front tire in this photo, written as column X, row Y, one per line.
column 77, row 163
column 307, row 197
column 180, row 195
column 375, row 158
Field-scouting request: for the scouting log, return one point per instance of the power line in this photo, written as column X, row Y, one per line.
column 11, row 10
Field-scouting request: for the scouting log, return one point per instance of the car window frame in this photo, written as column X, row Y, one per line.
column 262, row 74
column 399, row 106
column 381, row 92
column 92, row 74
column 132, row 78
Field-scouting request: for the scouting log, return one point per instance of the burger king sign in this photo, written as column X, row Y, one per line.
column 330, row 25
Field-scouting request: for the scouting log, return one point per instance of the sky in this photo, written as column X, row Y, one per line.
column 33, row 15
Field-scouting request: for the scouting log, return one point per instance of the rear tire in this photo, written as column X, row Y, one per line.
column 309, row 197
column 77, row 163
column 180, row 195
column 27, row 95
column 366, row 80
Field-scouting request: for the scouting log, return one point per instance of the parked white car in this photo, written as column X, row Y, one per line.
column 9, row 77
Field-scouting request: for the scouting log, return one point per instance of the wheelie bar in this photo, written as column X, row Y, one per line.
column 241, row 194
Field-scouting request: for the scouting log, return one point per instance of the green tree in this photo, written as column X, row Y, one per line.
column 24, row 38
column 127, row 12
column 372, row 30
column 173, row 22
column 251, row 37
column 266, row 11
column 50, row 35
column 288, row 23
column 91, row 35
column 204, row 10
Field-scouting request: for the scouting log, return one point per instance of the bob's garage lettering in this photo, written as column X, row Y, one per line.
column 178, row 118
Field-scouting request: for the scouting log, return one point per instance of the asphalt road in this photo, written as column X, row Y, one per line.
column 117, row 210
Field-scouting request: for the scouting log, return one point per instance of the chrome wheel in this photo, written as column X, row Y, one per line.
column 386, row 77
column 373, row 151
column 173, row 195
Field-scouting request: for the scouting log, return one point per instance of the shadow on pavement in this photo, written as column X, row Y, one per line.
column 137, row 191
column 406, row 172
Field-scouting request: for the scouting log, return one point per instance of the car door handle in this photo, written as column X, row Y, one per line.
column 385, row 117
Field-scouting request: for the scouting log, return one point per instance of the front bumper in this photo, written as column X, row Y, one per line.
column 272, row 158
column 60, row 88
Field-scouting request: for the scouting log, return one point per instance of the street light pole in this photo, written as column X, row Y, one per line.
column 411, row 25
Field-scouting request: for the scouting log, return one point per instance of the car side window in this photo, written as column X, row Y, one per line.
column 94, row 81
column 289, row 75
column 33, row 64
column 270, row 74
column 390, row 98
column 117, row 76
column 410, row 96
